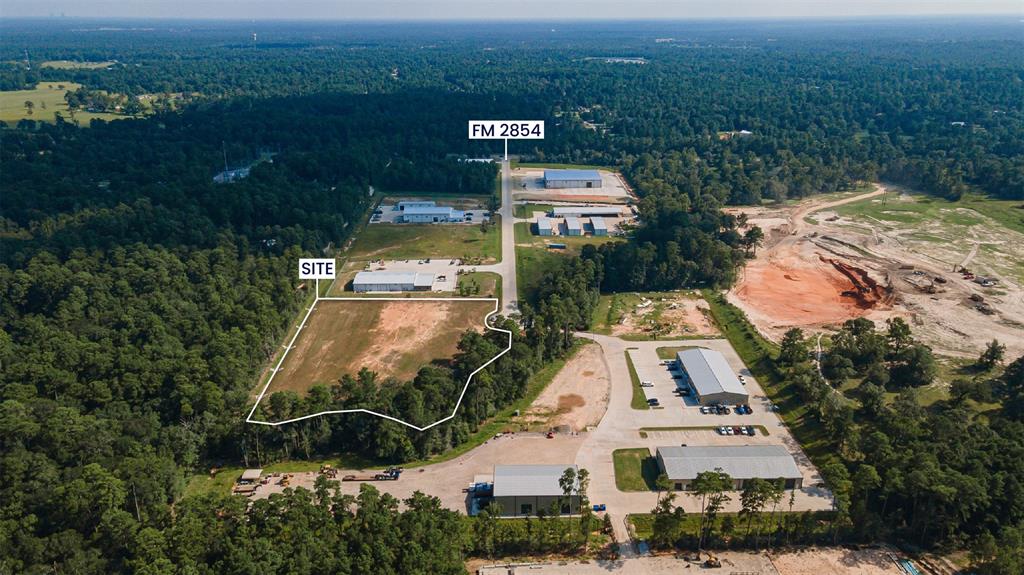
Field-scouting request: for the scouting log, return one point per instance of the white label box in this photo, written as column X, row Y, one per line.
column 317, row 268
column 506, row 129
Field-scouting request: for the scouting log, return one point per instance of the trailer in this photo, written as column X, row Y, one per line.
column 389, row 474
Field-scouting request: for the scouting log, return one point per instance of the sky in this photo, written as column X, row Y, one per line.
column 500, row 9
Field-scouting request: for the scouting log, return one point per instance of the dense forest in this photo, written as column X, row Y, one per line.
column 139, row 299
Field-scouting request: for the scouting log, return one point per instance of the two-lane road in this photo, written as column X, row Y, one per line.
column 509, row 288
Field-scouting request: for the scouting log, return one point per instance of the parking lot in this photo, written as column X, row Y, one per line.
column 387, row 214
column 528, row 184
column 445, row 270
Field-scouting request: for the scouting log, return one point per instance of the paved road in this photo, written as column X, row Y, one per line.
column 509, row 288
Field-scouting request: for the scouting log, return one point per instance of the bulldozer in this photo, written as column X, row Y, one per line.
column 712, row 562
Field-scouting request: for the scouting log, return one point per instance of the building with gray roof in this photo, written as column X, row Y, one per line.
column 586, row 211
column 572, row 179
column 431, row 215
column 544, row 227
column 385, row 281
column 712, row 379
column 599, row 226
column 573, row 227
column 741, row 462
column 522, row 490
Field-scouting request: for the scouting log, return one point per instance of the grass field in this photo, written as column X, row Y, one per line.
column 418, row 241
column 48, row 98
column 515, row 165
column 639, row 400
column 635, row 469
column 526, row 210
column 392, row 338
column 480, row 284
column 643, row 523
column 670, row 352
column 667, row 317
column 71, row 65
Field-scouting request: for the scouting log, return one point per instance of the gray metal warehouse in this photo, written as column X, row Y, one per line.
column 392, row 281
column 741, row 462
column 599, row 226
column 712, row 379
column 522, row 490
column 572, row 179
column 586, row 211
column 543, row 227
column 573, row 227
column 401, row 206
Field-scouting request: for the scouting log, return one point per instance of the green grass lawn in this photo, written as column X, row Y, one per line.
column 515, row 165
column 635, row 469
column 526, row 210
column 489, row 284
column 639, row 400
column 419, row 241
column 48, row 98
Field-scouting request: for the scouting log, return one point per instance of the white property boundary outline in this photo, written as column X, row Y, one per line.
column 318, row 299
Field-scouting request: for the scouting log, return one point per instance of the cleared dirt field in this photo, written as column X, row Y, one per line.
column 392, row 338
column 577, row 397
column 654, row 316
column 891, row 253
column 836, row 561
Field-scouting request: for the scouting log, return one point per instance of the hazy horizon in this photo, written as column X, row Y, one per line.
column 494, row 10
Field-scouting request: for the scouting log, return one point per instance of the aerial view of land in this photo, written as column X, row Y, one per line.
column 412, row 288
column 390, row 338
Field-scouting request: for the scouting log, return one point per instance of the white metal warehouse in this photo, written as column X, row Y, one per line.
column 741, row 462
column 522, row 490
column 431, row 215
column 586, row 211
column 709, row 374
column 572, row 179
column 392, row 281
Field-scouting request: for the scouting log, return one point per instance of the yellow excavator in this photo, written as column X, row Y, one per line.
column 712, row 562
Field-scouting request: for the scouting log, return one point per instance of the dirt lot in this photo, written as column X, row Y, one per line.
column 528, row 184
column 836, row 561
column 882, row 254
column 660, row 315
column 577, row 397
column 392, row 338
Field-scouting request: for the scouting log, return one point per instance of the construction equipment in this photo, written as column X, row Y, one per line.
column 712, row 562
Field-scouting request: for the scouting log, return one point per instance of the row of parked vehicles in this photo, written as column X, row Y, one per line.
column 736, row 430
column 743, row 409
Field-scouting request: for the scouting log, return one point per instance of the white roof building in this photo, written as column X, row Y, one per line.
column 585, row 211
column 711, row 377
column 741, row 462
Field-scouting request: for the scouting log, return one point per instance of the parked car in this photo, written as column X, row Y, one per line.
column 726, row 410
column 750, row 430
column 743, row 380
column 653, row 401
column 721, row 430
column 685, row 390
column 705, row 409
column 646, row 384
column 737, row 430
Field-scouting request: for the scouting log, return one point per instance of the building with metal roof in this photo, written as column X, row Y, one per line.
column 600, row 228
column 544, row 227
column 522, row 490
column 741, row 462
column 401, row 206
column 572, row 179
column 586, row 211
column 392, row 281
column 573, row 227
column 431, row 215
column 709, row 374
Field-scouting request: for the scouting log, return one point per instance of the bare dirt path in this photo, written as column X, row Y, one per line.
column 577, row 397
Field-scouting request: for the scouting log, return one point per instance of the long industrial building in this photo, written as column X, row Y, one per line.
column 431, row 215
column 401, row 206
column 585, row 211
column 572, row 179
column 709, row 374
column 384, row 281
column 741, row 462
column 522, row 490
